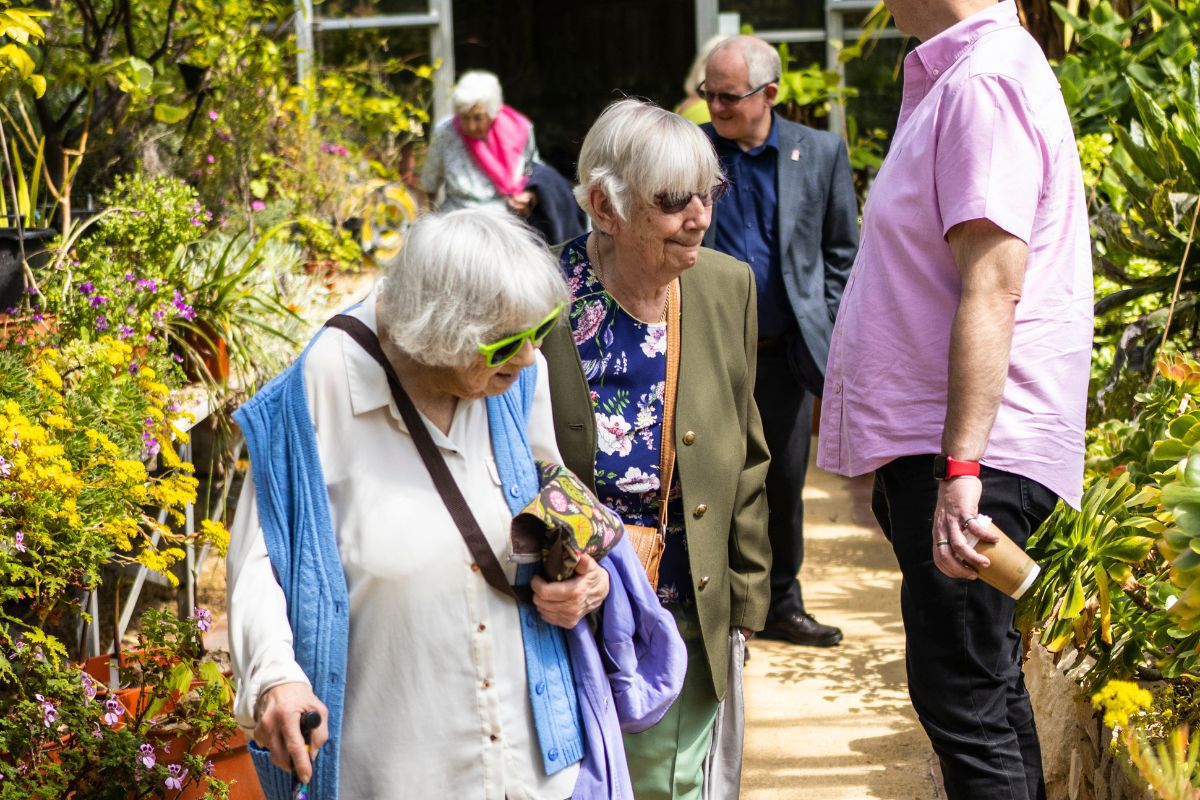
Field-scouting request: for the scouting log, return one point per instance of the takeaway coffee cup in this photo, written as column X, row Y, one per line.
column 1012, row 571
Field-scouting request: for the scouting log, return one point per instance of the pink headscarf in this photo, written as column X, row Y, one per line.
column 499, row 153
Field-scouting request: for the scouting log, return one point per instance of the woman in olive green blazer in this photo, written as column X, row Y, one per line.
column 646, row 236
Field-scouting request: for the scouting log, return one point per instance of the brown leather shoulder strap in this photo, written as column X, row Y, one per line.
column 452, row 496
column 667, row 466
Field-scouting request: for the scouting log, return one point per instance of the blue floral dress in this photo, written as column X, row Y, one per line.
column 624, row 362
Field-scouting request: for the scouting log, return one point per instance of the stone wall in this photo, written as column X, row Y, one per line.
column 1075, row 752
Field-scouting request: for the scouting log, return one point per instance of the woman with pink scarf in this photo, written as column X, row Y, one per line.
column 484, row 154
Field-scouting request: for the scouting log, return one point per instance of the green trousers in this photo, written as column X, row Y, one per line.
column 666, row 762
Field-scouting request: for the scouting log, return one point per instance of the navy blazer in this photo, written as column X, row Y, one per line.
column 818, row 238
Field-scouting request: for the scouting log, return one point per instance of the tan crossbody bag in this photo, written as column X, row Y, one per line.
column 649, row 542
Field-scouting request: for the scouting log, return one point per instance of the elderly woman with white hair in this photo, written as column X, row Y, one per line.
column 370, row 567
column 652, row 386
column 484, row 154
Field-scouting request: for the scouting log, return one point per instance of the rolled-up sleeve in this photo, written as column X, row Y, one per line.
column 260, row 638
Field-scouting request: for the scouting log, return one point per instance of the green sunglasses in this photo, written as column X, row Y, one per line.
column 503, row 350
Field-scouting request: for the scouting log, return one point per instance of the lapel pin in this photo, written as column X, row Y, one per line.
column 795, row 154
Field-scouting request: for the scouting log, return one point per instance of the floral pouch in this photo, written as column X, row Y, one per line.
column 564, row 521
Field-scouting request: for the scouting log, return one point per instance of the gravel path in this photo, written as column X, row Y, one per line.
column 835, row 723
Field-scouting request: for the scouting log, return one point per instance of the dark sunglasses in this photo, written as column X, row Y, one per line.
column 503, row 350
column 674, row 203
column 727, row 98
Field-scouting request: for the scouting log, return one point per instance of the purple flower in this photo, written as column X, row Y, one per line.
column 125, row 332
column 101, row 323
column 197, row 221
column 178, row 359
column 210, row 159
column 49, row 710
column 5, row 468
column 19, row 542
column 146, row 755
column 38, row 317
column 257, row 205
column 87, row 288
column 150, row 443
column 176, row 777
column 113, row 710
column 182, row 308
column 148, row 285
column 204, row 619
column 98, row 300
column 212, row 114
column 89, row 686
column 96, row 731
column 10, row 310
column 31, row 289
column 133, row 367
column 209, row 768
column 129, row 276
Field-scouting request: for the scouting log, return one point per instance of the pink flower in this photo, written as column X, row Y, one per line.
column 210, row 158
column 257, row 205
column 212, row 114
column 146, row 755
column 589, row 321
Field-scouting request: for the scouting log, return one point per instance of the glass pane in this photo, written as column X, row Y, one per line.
column 365, row 8
column 776, row 14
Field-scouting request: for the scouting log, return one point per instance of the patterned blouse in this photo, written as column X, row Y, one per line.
column 449, row 166
column 624, row 361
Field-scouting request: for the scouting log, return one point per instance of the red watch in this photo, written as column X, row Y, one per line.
column 945, row 468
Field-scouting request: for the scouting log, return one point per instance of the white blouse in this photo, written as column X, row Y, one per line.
column 437, row 702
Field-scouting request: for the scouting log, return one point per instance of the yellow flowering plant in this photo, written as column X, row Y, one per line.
column 79, row 425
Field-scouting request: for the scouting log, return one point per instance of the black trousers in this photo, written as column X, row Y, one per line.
column 963, row 652
column 786, row 410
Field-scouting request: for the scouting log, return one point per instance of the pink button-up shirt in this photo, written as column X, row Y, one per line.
column 983, row 134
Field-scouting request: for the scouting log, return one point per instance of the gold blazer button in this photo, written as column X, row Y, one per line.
column 699, row 512
column 689, row 437
column 703, row 582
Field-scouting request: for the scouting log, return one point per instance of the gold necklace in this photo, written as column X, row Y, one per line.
column 599, row 271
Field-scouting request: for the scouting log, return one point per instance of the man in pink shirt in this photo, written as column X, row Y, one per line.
column 959, row 365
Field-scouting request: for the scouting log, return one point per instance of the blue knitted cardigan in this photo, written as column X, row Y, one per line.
column 293, row 508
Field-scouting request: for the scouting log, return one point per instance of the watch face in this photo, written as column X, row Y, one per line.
column 939, row 468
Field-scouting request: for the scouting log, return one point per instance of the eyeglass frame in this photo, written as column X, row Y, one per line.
column 728, row 98
column 489, row 349
column 713, row 195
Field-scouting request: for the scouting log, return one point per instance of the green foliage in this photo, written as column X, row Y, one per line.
column 63, row 733
column 1106, row 591
column 1132, row 89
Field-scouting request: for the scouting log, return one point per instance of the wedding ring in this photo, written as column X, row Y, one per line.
column 942, row 542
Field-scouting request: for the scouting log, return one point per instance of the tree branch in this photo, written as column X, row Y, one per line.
column 166, row 43
column 127, row 26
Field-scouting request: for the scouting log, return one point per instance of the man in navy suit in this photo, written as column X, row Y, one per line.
column 792, row 215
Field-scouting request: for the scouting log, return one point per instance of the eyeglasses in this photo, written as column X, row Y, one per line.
column 674, row 203
column 726, row 98
column 502, row 351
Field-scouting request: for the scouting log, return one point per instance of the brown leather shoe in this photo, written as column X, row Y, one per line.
column 802, row 629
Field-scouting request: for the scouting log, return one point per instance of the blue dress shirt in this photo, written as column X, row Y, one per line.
column 747, row 225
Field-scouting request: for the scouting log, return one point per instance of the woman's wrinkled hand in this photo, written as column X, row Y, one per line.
column 522, row 203
column 278, row 727
column 564, row 603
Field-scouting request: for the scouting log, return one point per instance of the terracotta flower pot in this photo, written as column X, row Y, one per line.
column 231, row 763
column 207, row 355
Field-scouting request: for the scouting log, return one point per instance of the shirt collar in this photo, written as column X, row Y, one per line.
column 939, row 53
column 368, row 384
column 772, row 141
